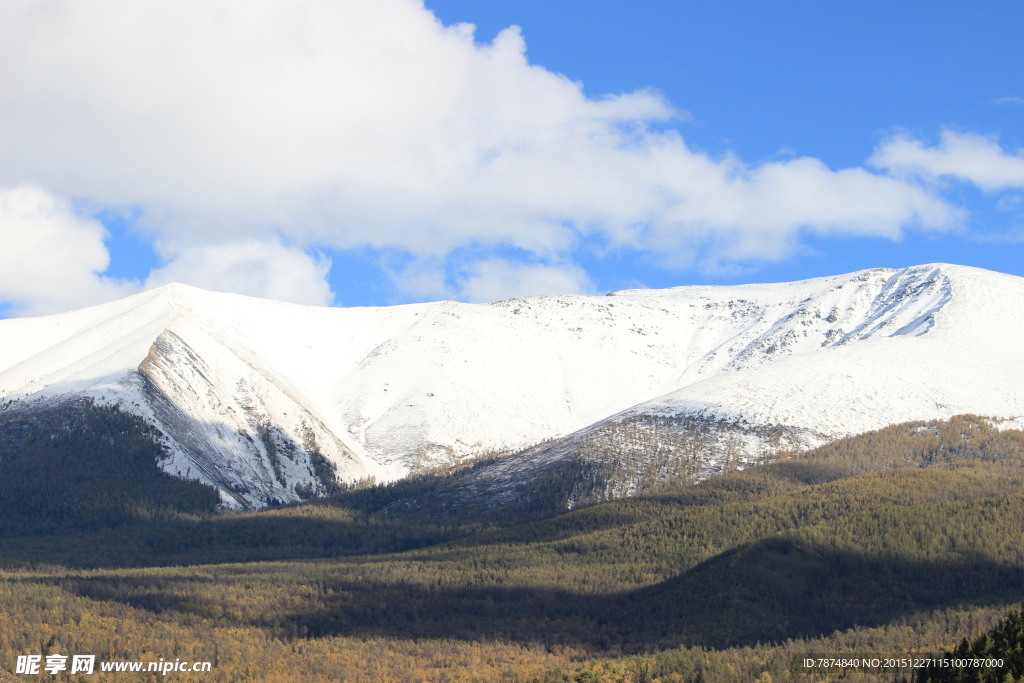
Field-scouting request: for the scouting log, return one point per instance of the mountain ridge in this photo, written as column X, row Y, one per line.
column 264, row 393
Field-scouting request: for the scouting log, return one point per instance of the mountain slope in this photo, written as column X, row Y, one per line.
column 269, row 401
column 856, row 353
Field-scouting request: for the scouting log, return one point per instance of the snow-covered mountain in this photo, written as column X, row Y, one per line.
column 260, row 398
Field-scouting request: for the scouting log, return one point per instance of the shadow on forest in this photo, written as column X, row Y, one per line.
column 805, row 471
column 767, row 591
column 221, row 539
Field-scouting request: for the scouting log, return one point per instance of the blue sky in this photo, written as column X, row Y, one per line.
column 372, row 153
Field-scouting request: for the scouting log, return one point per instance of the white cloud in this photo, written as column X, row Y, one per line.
column 496, row 279
column 744, row 214
column 51, row 259
column 350, row 122
column 483, row 279
column 264, row 269
column 964, row 156
column 342, row 123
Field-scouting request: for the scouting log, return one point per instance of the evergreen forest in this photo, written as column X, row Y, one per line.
column 898, row 544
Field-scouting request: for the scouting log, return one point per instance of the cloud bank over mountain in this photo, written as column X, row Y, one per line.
column 254, row 138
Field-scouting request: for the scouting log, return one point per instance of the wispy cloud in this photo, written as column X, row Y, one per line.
column 496, row 279
column 1010, row 202
column 1008, row 100
column 963, row 156
column 1010, row 235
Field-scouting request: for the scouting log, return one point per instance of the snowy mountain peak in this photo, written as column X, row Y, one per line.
column 263, row 398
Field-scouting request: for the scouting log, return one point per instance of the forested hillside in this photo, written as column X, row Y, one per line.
column 1005, row 642
column 906, row 540
column 77, row 466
